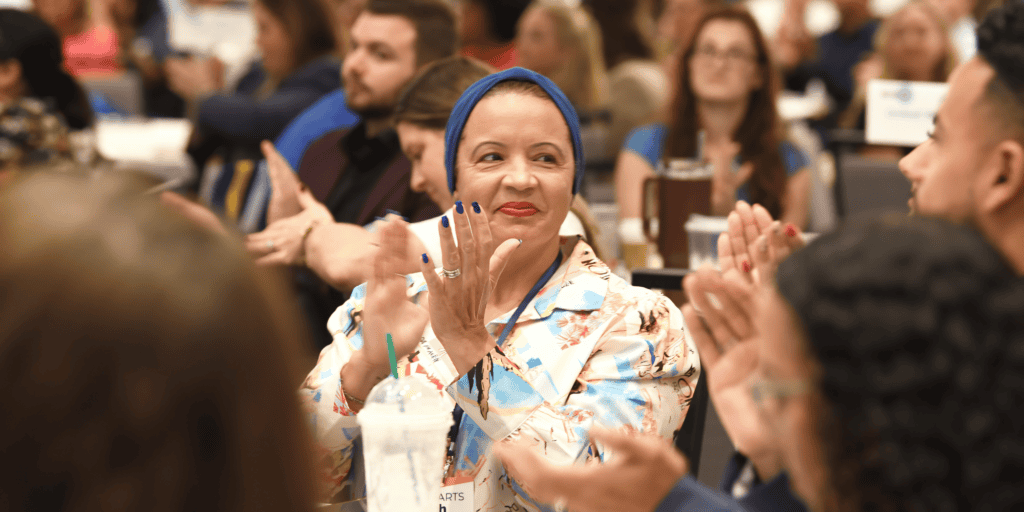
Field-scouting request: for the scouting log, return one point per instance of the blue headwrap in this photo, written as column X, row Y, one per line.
column 467, row 102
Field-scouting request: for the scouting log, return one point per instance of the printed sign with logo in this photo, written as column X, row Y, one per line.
column 901, row 113
column 457, row 495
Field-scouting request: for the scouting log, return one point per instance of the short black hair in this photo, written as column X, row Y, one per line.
column 437, row 35
column 916, row 325
column 1001, row 45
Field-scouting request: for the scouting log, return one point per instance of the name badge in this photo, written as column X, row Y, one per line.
column 901, row 113
column 457, row 495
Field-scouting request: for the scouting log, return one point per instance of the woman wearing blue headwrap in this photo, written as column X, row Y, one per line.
column 530, row 335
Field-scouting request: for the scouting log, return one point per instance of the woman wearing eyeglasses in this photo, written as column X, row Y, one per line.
column 723, row 114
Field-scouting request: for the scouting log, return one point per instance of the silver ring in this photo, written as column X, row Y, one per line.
column 270, row 245
column 450, row 274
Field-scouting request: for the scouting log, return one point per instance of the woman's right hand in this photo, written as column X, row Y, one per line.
column 284, row 185
column 386, row 310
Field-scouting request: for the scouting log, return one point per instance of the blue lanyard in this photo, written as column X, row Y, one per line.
column 457, row 412
column 529, row 296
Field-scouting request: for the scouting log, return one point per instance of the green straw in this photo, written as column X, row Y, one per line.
column 391, row 356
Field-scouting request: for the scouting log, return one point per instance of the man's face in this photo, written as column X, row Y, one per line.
column 944, row 171
column 380, row 64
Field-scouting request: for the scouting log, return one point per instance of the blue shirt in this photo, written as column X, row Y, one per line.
column 776, row 495
column 648, row 142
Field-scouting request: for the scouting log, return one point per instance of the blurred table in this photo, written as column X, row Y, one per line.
column 154, row 146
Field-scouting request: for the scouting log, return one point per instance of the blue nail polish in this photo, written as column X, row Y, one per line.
column 476, row 207
column 425, row 259
column 458, row 207
column 444, row 220
column 392, row 212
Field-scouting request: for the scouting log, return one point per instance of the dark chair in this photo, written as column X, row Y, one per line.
column 689, row 439
column 865, row 185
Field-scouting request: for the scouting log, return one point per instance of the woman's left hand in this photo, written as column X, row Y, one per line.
column 725, row 182
column 458, row 304
column 192, row 78
column 282, row 243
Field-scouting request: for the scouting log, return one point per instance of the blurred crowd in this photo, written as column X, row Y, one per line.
column 419, row 163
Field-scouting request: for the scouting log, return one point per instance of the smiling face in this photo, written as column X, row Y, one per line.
column 723, row 66
column 424, row 147
column 381, row 62
column 944, row 171
column 516, row 160
column 272, row 39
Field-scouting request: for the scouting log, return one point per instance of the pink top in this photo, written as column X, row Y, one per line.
column 94, row 51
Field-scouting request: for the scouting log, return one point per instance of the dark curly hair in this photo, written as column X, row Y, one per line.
column 1001, row 45
column 918, row 329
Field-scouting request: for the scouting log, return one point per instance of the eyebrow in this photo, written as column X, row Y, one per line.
column 488, row 142
column 378, row 46
column 532, row 146
column 552, row 144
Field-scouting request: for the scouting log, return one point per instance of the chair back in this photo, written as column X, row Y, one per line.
column 123, row 90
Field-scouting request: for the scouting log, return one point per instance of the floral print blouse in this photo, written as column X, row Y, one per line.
column 588, row 350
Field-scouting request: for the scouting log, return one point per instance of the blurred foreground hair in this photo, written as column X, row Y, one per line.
column 145, row 364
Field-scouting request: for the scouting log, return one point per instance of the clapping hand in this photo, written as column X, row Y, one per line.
column 193, row 78
column 725, row 182
column 755, row 243
column 720, row 316
column 641, row 472
column 386, row 310
column 458, row 301
column 284, row 185
column 283, row 242
column 291, row 213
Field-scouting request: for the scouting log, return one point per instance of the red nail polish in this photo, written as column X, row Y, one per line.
column 746, row 266
column 790, row 230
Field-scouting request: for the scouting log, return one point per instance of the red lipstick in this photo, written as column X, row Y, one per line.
column 518, row 209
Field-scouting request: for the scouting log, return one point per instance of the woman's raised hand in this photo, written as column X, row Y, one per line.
column 386, row 310
column 755, row 244
column 283, row 241
column 458, row 301
column 725, row 182
column 284, row 185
